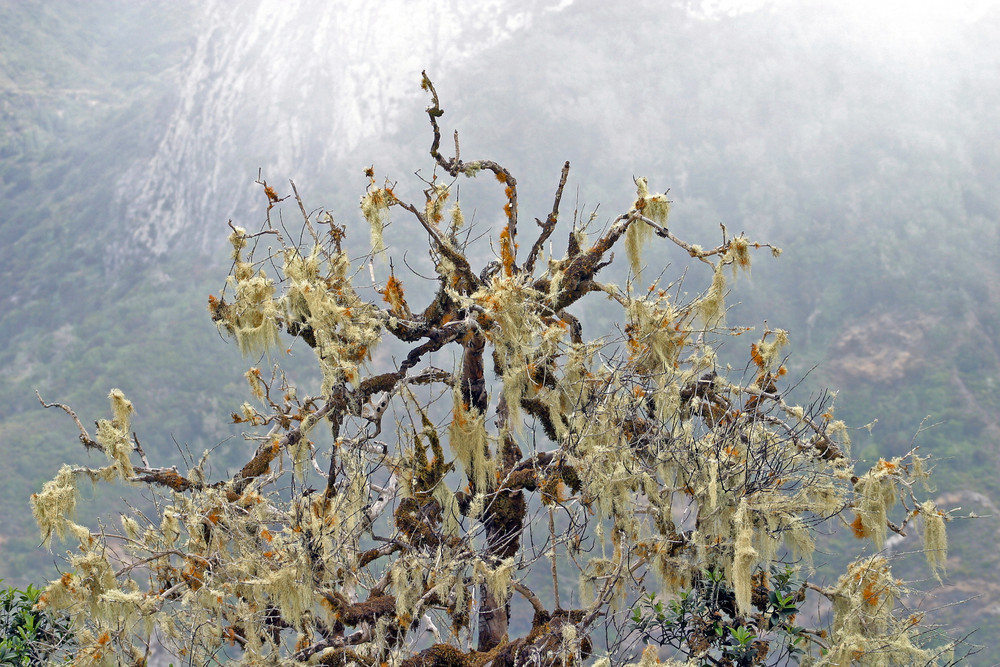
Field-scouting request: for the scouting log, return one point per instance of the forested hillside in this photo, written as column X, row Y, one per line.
column 867, row 150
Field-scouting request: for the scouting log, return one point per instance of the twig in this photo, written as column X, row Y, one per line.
column 549, row 224
column 305, row 216
column 552, row 532
column 85, row 438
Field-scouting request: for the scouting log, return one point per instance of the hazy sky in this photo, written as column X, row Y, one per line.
column 915, row 15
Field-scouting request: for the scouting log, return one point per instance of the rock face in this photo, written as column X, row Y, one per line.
column 288, row 86
column 882, row 349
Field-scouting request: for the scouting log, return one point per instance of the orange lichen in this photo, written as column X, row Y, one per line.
column 534, row 376
column 193, row 573
column 507, row 249
column 859, row 529
column 871, row 596
column 886, row 466
column 393, row 295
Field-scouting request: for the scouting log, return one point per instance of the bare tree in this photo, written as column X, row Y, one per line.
column 392, row 516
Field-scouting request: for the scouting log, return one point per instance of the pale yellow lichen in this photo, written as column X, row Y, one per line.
column 745, row 557
column 876, row 492
column 375, row 207
column 770, row 350
column 738, row 254
column 935, row 537
column 711, row 307
column 655, row 207
column 54, row 504
column 113, row 434
column 498, row 580
column 470, row 444
column 437, row 197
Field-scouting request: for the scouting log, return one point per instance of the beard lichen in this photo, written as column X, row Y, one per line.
column 498, row 580
column 320, row 302
column 935, row 537
column 113, row 435
column 54, row 504
column 745, row 557
column 655, row 207
column 375, row 208
column 470, row 444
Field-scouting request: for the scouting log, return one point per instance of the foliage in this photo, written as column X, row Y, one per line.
column 703, row 623
column 28, row 636
column 657, row 469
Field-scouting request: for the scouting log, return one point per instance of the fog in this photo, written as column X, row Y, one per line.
column 860, row 137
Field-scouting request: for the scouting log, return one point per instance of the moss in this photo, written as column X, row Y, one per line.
column 546, row 638
column 419, row 522
column 364, row 612
column 509, row 654
column 342, row 657
column 504, row 521
column 169, row 478
column 439, row 655
column 260, row 463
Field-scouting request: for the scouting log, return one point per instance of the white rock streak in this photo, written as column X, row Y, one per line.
column 291, row 85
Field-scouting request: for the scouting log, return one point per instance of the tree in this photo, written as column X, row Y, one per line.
column 683, row 497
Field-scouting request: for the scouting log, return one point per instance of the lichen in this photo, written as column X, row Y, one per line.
column 113, row 434
column 745, row 557
column 375, row 207
column 54, row 504
column 655, row 207
column 935, row 537
column 470, row 444
column 711, row 307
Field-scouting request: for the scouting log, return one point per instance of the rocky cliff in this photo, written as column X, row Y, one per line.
column 290, row 87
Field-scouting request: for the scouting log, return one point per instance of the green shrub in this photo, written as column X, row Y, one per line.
column 27, row 636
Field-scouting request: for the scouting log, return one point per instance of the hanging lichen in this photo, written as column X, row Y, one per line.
column 498, row 579
column 711, row 307
column 655, row 207
column 54, row 504
column 375, row 207
column 935, row 537
column 745, row 557
column 113, row 434
column 321, row 302
column 470, row 444
column 876, row 492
